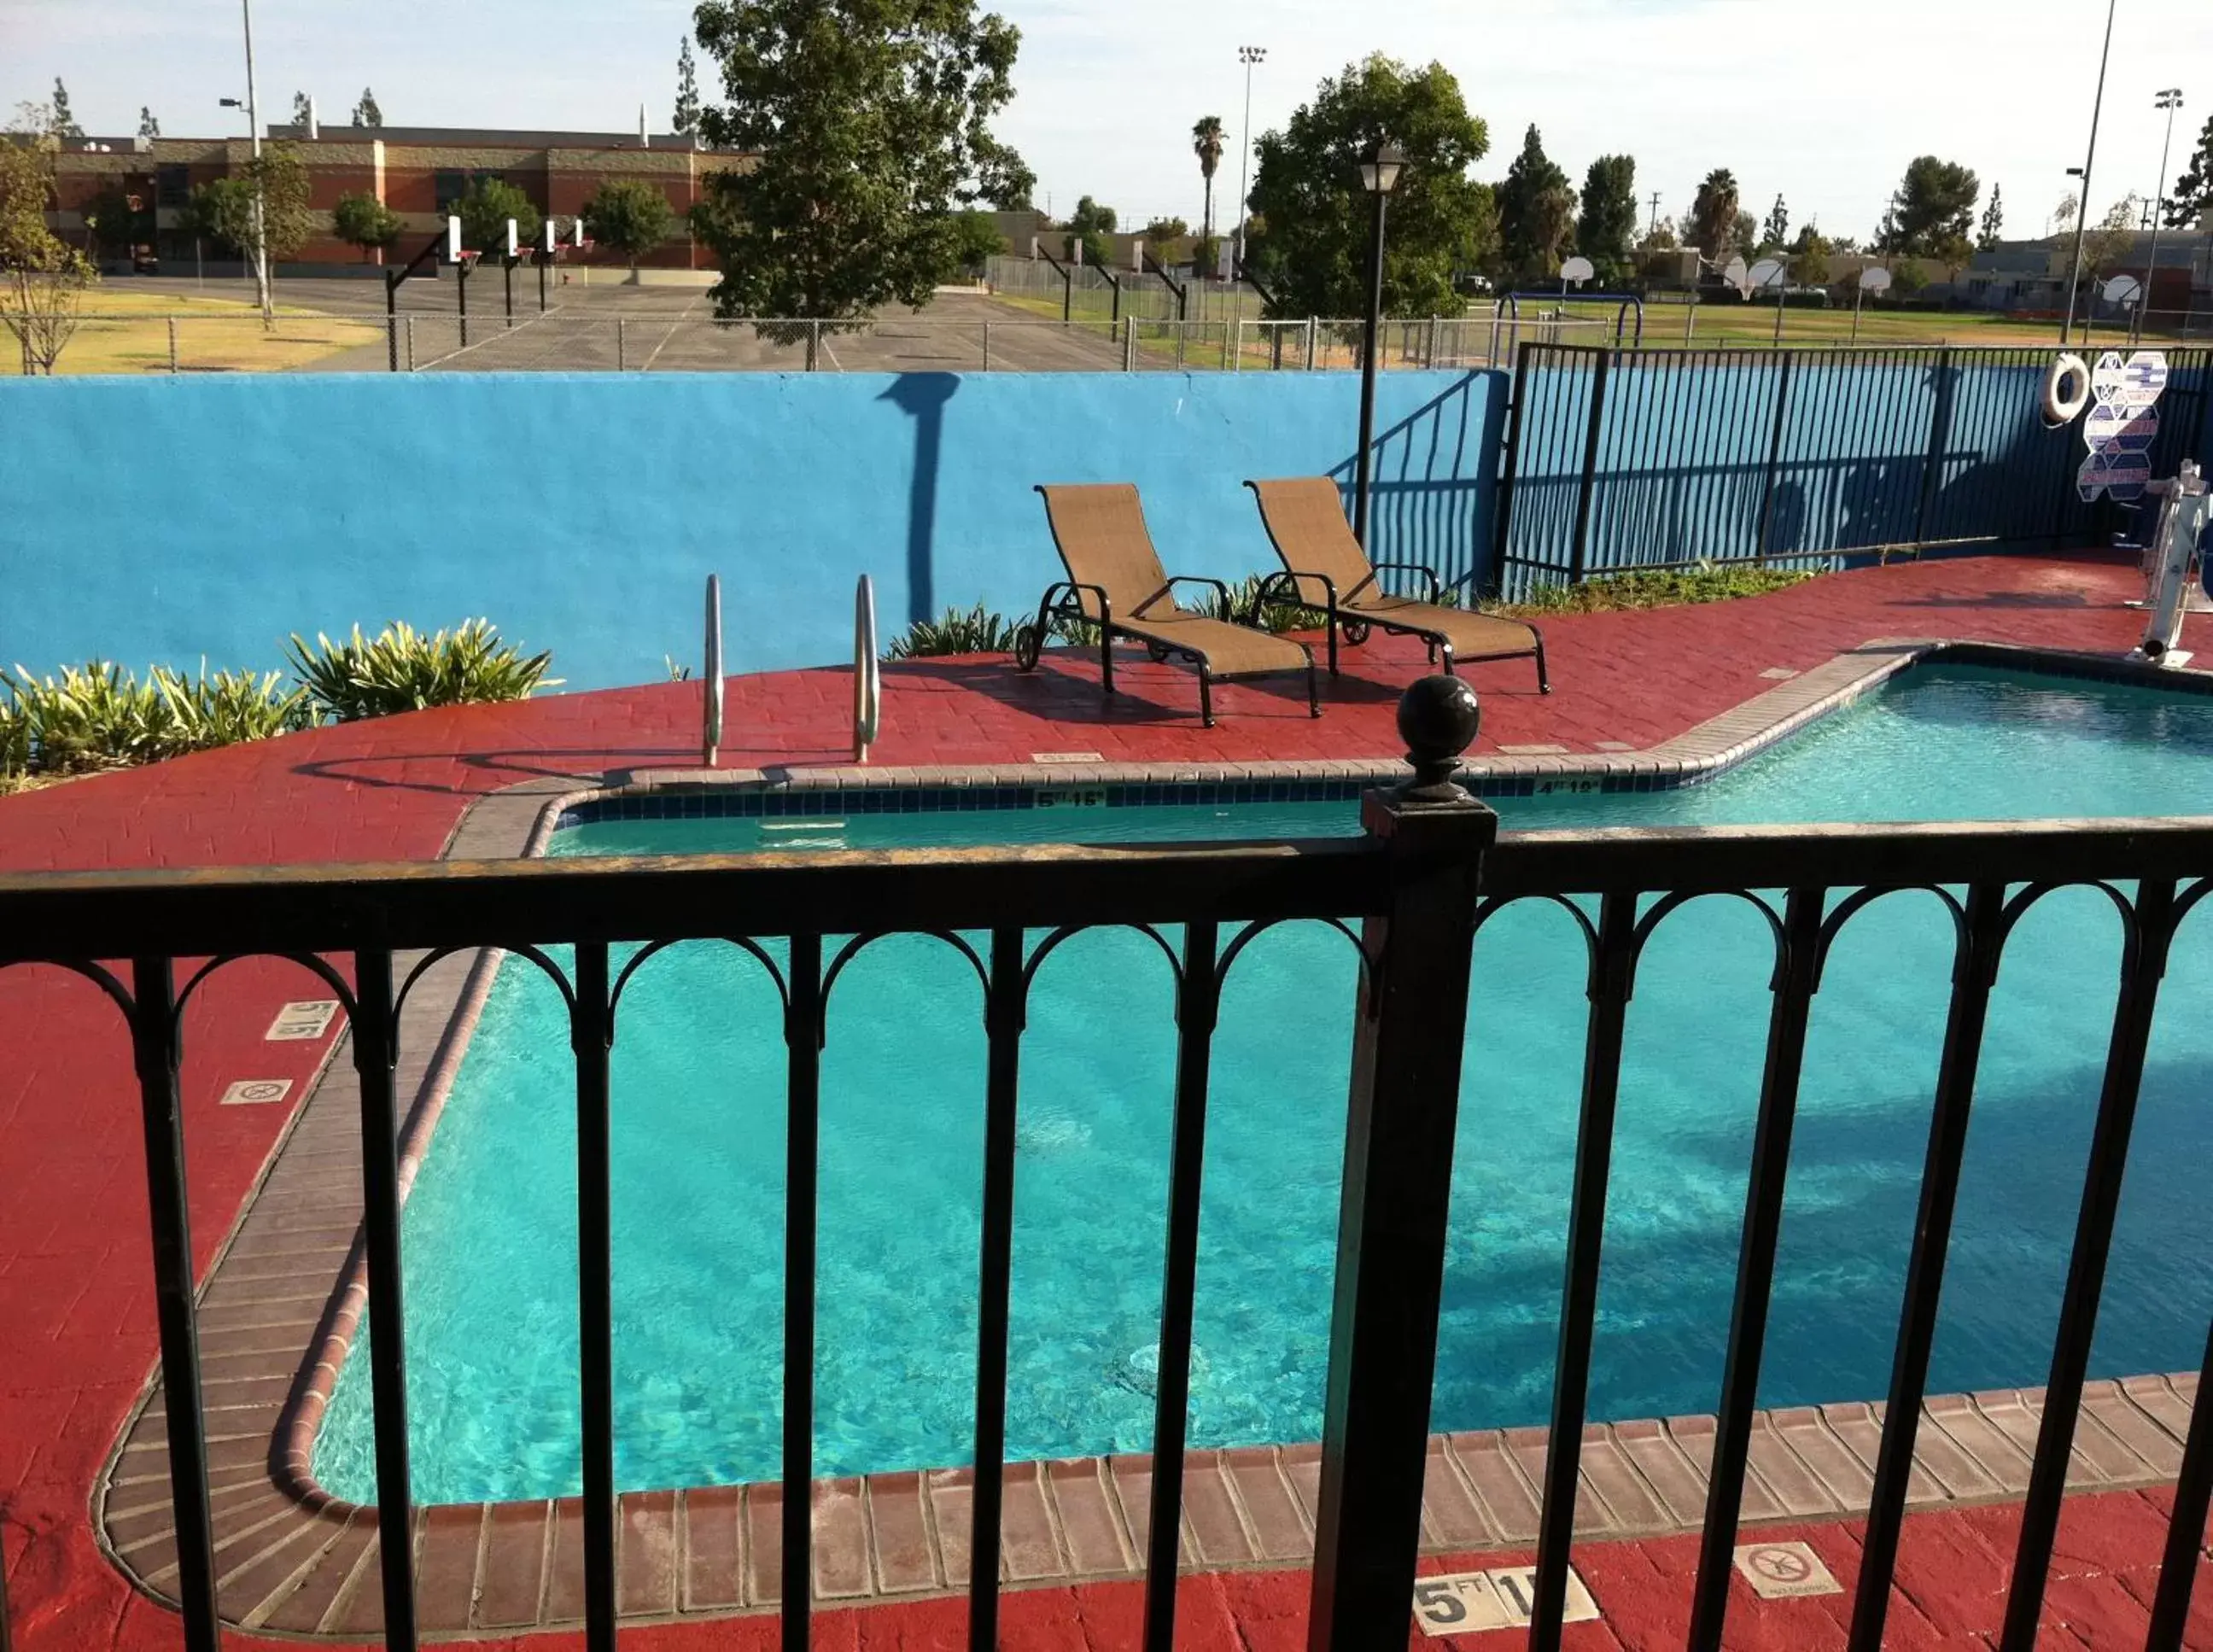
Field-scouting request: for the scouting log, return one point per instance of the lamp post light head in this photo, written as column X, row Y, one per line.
column 1249, row 55
column 230, row 103
column 1379, row 170
column 2170, row 99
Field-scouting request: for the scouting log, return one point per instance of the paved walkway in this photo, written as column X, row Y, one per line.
column 76, row 1338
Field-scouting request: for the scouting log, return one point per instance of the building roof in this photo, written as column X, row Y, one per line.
column 487, row 137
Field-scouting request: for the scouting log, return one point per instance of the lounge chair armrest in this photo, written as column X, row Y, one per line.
column 1293, row 592
column 1072, row 587
column 1174, row 579
column 1428, row 574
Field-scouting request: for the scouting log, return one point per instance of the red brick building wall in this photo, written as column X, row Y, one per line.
column 412, row 171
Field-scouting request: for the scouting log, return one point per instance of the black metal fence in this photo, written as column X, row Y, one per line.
column 1653, row 459
column 1424, row 879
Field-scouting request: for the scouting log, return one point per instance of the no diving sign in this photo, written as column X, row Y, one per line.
column 2122, row 424
column 1782, row 1571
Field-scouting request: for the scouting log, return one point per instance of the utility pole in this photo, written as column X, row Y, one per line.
column 1655, row 224
column 1247, row 55
column 2083, row 216
column 2169, row 101
column 253, row 128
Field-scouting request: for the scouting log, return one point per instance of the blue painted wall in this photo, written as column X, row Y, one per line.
column 165, row 519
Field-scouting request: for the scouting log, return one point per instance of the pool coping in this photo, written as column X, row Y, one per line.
column 295, row 1561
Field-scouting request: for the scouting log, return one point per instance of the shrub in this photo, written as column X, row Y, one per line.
column 1246, row 609
column 100, row 717
column 403, row 670
column 979, row 631
column 232, row 706
column 1667, row 588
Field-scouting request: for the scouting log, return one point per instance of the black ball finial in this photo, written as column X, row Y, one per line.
column 1438, row 719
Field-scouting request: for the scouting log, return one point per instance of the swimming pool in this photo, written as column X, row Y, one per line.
column 698, row 1143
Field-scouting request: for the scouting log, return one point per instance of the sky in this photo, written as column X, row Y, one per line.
column 1824, row 103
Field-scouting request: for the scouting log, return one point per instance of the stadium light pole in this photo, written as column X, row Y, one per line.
column 2089, row 159
column 1249, row 56
column 1379, row 175
column 2170, row 100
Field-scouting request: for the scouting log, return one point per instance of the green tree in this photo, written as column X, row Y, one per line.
column 1536, row 211
column 118, row 220
column 871, row 121
column 148, row 127
column 1745, row 236
column 1607, row 226
column 42, row 279
column 979, row 240
column 361, row 220
column 687, row 90
column 1993, row 230
column 1166, row 229
column 1934, row 205
column 1310, row 245
column 302, row 106
column 629, row 216
column 1206, row 144
column 2191, row 198
column 1775, row 233
column 1713, row 226
column 217, row 207
column 365, row 112
column 1089, row 226
column 1661, row 238
column 2109, row 239
column 484, row 212
column 1809, row 259
column 64, row 124
column 271, row 188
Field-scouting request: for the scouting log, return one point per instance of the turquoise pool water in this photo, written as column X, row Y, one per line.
column 698, row 1143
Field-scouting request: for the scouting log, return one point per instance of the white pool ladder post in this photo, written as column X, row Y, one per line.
column 868, row 674
column 710, row 734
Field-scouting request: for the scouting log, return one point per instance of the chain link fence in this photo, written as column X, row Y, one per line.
column 586, row 341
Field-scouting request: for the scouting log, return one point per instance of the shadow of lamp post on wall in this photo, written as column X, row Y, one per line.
column 1379, row 175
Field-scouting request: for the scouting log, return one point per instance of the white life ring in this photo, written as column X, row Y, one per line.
column 2060, row 410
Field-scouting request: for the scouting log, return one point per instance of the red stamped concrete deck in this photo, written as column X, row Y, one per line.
column 77, row 1339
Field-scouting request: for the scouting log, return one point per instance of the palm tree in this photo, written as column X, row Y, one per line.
column 1713, row 216
column 1206, row 144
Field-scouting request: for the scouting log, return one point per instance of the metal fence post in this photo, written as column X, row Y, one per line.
column 814, row 345
column 1232, row 343
column 1576, row 551
column 1312, row 328
column 987, row 347
column 1940, row 438
column 173, row 345
column 1129, row 348
column 410, row 344
column 1404, row 1103
column 619, row 342
column 1774, row 455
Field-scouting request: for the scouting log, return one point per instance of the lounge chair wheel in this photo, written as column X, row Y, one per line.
column 1356, row 632
column 1025, row 648
column 1158, row 651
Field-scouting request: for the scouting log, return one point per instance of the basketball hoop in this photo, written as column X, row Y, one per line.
column 469, row 258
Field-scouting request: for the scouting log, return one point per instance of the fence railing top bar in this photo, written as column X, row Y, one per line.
column 1950, row 852
column 63, row 915
column 461, row 903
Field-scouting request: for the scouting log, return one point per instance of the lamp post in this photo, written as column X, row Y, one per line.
column 2089, row 160
column 253, row 127
column 2170, row 100
column 1249, row 56
column 1379, row 175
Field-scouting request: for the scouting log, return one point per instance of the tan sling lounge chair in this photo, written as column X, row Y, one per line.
column 1115, row 582
column 1326, row 568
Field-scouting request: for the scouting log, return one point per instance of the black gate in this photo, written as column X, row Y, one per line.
column 1660, row 459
